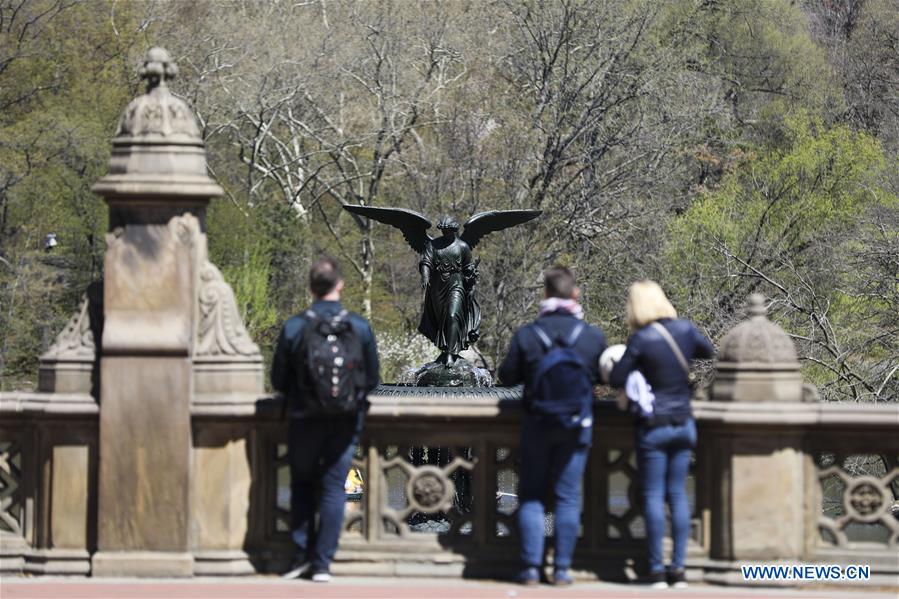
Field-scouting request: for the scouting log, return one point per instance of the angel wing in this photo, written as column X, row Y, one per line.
column 484, row 223
column 413, row 225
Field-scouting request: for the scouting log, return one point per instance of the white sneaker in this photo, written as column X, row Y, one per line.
column 681, row 584
column 297, row 570
column 657, row 581
column 321, row 577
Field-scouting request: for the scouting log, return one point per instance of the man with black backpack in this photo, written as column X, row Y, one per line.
column 325, row 363
column 557, row 359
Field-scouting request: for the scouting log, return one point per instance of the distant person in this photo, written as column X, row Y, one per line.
column 557, row 359
column 325, row 363
column 661, row 347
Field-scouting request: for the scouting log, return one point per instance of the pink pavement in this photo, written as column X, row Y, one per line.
column 375, row 588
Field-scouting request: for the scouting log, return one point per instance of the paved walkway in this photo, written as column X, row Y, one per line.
column 383, row 588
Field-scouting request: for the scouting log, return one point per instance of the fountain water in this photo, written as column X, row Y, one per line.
column 464, row 375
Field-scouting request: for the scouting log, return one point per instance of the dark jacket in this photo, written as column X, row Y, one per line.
column 526, row 350
column 284, row 362
column 648, row 352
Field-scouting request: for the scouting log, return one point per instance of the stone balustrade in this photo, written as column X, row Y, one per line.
column 791, row 482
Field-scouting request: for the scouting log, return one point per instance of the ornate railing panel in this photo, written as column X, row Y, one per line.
column 441, row 484
column 12, row 504
column 859, row 500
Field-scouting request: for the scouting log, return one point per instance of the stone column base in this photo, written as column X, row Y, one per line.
column 142, row 564
column 12, row 554
column 65, row 562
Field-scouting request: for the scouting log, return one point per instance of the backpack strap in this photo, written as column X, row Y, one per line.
column 309, row 317
column 575, row 333
column 567, row 342
column 543, row 337
column 661, row 330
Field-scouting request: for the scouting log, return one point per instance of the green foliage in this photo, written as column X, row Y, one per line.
column 781, row 223
column 788, row 198
column 720, row 147
column 61, row 93
column 250, row 281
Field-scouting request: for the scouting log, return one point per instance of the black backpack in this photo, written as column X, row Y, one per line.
column 330, row 369
column 562, row 393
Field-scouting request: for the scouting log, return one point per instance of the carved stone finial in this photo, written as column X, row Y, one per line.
column 758, row 340
column 158, row 148
column 757, row 306
column 158, row 68
column 757, row 361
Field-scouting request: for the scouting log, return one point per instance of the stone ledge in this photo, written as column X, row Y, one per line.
column 397, row 401
column 240, row 405
column 222, row 563
column 37, row 403
column 155, row 564
column 782, row 414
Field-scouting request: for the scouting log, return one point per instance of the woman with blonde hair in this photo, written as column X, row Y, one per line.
column 661, row 347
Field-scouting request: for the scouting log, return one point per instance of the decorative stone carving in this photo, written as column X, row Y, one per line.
column 158, row 112
column 220, row 331
column 158, row 149
column 866, row 499
column 70, row 364
column 11, row 509
column 757, row 339
column 76, row 340
column 429, row 489
column 757, row 362
column 186, row 229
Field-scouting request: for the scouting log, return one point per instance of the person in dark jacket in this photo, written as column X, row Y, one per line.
column 320, row 447
column 553, row 457
column 667, row 435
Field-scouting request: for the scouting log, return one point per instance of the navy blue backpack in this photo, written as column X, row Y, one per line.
column 562, row 393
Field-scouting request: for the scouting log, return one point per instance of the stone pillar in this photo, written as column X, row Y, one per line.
column 760, row 487
column 157, row 190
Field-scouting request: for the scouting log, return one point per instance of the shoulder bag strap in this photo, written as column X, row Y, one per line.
column 673, row 345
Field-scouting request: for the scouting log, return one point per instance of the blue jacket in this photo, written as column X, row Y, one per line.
column 526, row 350
column 284, row 373
column 648, row 352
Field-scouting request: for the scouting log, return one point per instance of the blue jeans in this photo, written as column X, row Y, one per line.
column 321, row 452
column 552, row 459
column 663, row 455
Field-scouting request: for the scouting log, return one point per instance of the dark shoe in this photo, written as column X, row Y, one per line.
column 677, row 579
column 657, row 580
column 529, row 577
column 562, row 578
column 298, row 568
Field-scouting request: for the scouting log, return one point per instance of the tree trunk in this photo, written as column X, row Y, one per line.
column 367, row 255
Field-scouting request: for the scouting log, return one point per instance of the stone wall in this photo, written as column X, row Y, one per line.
column 790, row 482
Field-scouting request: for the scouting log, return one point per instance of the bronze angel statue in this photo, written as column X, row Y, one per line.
column 451, row 317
